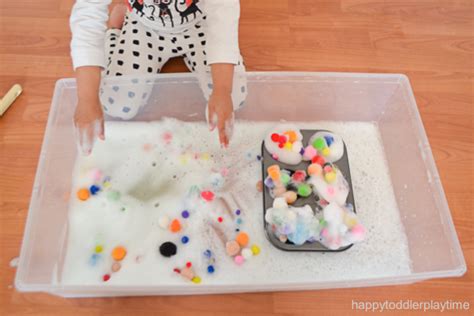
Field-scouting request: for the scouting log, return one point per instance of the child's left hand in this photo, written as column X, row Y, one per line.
column 221, row 115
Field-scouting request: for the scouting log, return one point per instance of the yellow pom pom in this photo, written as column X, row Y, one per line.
column 184, row 159
column 326, row 151
column 255, row 250
column 196, row 280
column 350, row 221
column 330, row 177
column 288, row 146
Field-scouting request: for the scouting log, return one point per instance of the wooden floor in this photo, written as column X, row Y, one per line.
column 429, row 40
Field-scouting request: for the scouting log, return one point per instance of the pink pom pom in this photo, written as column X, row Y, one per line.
column 358, row 231
column 324, row 232
column 239, row 260
column 224, row 172
column 327, row 169
column 309, row 153
column 96, row 175
column 167, row 137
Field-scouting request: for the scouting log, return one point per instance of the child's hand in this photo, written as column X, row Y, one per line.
column 220, row 107
column 88, row 119
column 89, row 124
column 221, row 114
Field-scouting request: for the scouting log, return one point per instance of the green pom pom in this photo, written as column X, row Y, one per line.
column 319, row 143
column 113, row 195
column 304, row 190
column 285, row 179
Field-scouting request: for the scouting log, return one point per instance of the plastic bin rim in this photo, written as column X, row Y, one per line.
column 398, row 78
column 256, row 74
column 411, row 278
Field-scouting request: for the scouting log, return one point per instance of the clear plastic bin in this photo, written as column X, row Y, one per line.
column 383, row 98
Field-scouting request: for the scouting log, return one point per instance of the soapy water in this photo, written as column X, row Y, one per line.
column 157, row 170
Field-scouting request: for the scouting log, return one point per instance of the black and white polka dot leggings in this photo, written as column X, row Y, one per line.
column 137, row 49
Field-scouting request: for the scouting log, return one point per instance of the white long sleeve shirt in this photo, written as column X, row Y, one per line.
column 89, row 23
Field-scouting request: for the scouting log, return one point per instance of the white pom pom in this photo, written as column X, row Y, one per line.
column 163, row 222
column 247, row 253
column 280, row 203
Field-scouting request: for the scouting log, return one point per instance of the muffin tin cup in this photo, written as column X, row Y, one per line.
column 312, row 200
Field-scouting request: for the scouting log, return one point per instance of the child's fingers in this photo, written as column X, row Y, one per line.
column 101, row 130
column 229, row 127
column 77, row 133
column 222, row 134
column 85, row 135
column 87, row 139
column 81, row 136
column 211, row 118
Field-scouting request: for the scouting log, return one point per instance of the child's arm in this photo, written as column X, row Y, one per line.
column 88, row 118
column 222, row 54
column 88, row 25
column 220, row 102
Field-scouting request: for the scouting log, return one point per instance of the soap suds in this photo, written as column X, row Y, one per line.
column 155, row 178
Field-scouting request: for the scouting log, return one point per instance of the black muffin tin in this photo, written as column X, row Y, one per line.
column 267, row 161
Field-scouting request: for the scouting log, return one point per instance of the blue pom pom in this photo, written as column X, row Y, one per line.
column 210, row 269
column 94, row 258
column 185, row 239
column 207, row 253
column 94, row 189
column 329, row 139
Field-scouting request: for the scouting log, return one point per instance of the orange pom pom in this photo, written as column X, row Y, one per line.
column 83, row 194
column 175, row 226
column 243, row 239
column 292, row 136
column 274, row 172
column 314, row 169
column 119, row 253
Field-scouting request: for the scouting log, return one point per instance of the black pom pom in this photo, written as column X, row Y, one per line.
column 168, row 249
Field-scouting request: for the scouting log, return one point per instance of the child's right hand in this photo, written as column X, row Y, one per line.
column 88, row 123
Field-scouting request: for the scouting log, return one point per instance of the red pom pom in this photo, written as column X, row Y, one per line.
column 207, row 195
column 188, row 264
column 318, row 159
column 220, row 219
column 280, row 145
column 275, row 137
column 106, row 277
column 282, row 139
column 299, row 176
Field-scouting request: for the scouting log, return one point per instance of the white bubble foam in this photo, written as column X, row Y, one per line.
column 155, row 178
